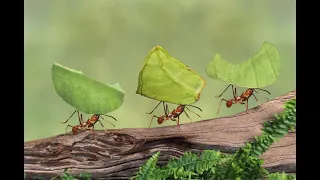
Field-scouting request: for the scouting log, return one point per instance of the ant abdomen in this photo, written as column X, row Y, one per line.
column 75, row 130
column 229, row 103
column 160, row 120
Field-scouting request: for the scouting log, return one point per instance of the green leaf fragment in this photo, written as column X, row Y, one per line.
column 164, row 78
column 259, row 71
column 283, row 126
column 281, row 131
column 85, row 175
column 259, row 148
column 85, row 94
column 256, row 152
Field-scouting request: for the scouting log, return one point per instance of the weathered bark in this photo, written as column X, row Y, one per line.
column 119, row 155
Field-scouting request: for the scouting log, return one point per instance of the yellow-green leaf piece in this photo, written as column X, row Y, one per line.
column 261, row 70
column 164, row 78
column 85, row 94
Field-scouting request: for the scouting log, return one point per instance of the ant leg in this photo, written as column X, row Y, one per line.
column 192, row 112
column 220, row 105
column 92, row 130
column 247, row 105
column 225, row 90
column 67, row 129
column 80, row 118
column 103, row 126
column 178, row 124
column 166, row 110
column 111, row 123
column 156, row 107
column 187, row 115
column 70, row 117
column 107, row 122
column 235, row 94
column 152, row 119
column 256, row 99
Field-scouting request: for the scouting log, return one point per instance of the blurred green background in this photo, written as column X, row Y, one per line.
column 108, row 40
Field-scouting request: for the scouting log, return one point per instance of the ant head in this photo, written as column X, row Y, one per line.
column 229, row 103
column 180, row 107
column 160, row 120
column 250, row 90
column 95, row 117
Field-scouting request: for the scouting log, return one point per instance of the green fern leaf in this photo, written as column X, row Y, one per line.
column 282, row 176
column 146, row 171
column 281, row 131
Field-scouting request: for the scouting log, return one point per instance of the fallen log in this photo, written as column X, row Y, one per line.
column 119, row 153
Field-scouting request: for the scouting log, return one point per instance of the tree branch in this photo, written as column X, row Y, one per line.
column 119, row 155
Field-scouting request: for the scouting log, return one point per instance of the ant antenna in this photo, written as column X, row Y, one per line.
column 107, row 120
column 262, row 90
column 107, row 116
column 192, row 112
column 194, row 107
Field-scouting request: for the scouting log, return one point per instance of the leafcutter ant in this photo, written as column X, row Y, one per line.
column 89, row 124
column 242, row 99
column 173, row 115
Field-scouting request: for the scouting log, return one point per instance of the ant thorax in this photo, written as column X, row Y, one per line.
column 238, row 98
column 84, row 124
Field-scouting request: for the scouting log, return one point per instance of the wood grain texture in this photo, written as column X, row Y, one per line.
column 119, row 154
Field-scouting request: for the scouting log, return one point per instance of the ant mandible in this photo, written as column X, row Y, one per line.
column 242, row 99
column 173, row 115
column 89, row 124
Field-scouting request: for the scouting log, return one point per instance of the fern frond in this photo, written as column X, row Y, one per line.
column 207, row 160
column 282, row 176
column 245, row 167
column 189, row 165
column 246, row 162
column 273, row 130
column 146, row 171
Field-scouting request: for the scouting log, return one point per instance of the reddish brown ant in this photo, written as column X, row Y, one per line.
column 173, row 115
column 242, row 99
column 89, row 124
